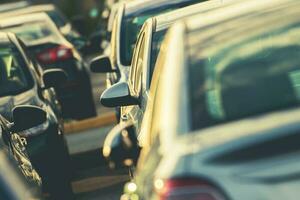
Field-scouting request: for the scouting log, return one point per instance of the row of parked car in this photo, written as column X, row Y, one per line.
column 207, row 96
column 43, row 80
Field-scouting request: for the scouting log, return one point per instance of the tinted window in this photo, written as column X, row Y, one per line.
column 256, row 76
column 132, row 24
column 32, row 32
column 14, row 75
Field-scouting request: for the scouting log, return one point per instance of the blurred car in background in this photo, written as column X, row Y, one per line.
column 45, row 43
column 100, row 38
column 18, row 179
column 22, row 82
column 14, row 5
column 56, row 16
column 126, row 26
column 133, row 95
column 217, row 127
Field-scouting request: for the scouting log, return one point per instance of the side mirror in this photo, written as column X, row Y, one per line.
column 101, row 64
column 120, row 146
column 118, row 95
column 26, row 117
column 54, row 78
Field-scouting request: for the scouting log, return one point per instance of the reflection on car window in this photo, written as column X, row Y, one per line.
column 250, row 78
column 13, row 76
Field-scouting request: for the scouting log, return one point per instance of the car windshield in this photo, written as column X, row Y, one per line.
column 132, row 24
column 32, row 32
column 14, row 78
column 157, row 39
column 246, row 79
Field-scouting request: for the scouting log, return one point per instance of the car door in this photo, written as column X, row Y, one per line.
column 47, row 95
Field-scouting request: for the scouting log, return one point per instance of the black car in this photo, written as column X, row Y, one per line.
column 22, row 84
column 52, row 50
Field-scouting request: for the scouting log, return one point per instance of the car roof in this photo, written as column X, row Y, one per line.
column 22, row 19
column 140, row 6
column 14, row 5
column 28, row 10
column 165, row 20
column 233, row 9
column 202, row 37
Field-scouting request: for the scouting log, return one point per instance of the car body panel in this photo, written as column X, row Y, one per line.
column 168, row 125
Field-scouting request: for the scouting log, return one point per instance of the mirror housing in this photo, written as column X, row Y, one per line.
column 54, row 78
column 101, row 64
column 118, row 95
column 26, row 117
column 120, row 147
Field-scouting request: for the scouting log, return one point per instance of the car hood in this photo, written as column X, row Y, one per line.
column 7, row 103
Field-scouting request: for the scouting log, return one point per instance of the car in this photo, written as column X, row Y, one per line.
column 213, row 125
column 51, row 50
column 62, row 23
column 23, row 84
column 127, row 23
column 126, row 26
column 134, row 103
column 18, row 179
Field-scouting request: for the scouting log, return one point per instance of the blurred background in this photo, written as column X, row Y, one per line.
column 91, row 12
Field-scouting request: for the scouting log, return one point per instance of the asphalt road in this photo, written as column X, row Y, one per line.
column 92, row 180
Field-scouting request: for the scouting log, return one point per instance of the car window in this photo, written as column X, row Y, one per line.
column 38, row 71
column 32, row 32
column 14, row 74
column 255, row 76
column 132, row 24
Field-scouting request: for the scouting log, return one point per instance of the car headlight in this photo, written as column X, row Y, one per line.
column 35, row 130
